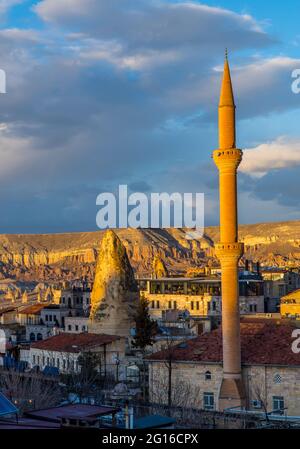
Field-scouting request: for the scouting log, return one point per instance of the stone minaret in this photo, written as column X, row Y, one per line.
column 229, row 250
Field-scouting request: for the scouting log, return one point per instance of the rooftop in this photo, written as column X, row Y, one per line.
column 7, row 309
column 79, row 411
column 74, row 343
column 34, row 309
column 262, row 343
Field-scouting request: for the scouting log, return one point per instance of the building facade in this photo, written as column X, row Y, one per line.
column 270, row 370
column 200, row 296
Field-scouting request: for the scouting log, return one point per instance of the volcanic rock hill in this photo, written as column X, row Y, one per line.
column 53, row 257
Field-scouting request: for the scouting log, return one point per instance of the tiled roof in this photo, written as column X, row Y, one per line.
column 261, row 343
column 68, row 342
column 34, row 309
column 7, row 309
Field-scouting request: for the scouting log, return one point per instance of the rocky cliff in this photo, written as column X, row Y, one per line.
column 53, row 257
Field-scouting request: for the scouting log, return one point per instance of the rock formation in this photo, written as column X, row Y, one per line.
column 115, row 295
column 159, row 268
column 25, row 297
column 64, row 257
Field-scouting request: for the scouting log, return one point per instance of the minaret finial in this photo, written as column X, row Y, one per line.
column 226, row 54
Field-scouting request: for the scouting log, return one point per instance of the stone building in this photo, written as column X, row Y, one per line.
column 290, row 305
column 76, row 324
column 77, row 299
column 200, row 296
column 62, row 351
column 278, row 283
column 270, row 370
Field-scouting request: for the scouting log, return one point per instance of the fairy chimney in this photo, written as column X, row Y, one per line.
column 115, row 294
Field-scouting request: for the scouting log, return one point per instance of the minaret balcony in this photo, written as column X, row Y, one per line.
column 228, row 158
column 229, row 251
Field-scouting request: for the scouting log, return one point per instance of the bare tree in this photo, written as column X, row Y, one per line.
column 259, row 395
column 29, row 390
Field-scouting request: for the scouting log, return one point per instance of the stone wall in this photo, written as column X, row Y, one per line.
column 262, row 383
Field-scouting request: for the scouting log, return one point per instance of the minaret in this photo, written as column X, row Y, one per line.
column 229, row 250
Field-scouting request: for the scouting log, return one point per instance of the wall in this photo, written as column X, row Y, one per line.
column 259, row 383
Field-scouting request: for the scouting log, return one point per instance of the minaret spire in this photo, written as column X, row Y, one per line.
column 226, row 110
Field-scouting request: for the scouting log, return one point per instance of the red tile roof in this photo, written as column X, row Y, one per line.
column 7, row 309
column 35, row 309
column 67, row 342
column 261, row 343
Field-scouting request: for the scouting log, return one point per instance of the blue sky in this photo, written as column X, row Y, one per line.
column 102, row 93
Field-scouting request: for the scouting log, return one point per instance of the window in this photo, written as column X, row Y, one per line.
column 57, row 363
column 43, row 360
column 278, row 405
column 192, row 305
column 157, row 304
column 277, row 379
column 175, row 305
column 48, row 361
column 208, row 375
column 46, row 317
column 214, row 306
column 208, row 401
column 83, row 328
column 170, row 305
column 152, row 304
column 39, row 337
column 77, row 327
column 33, row 359
column 197, row 305
column 32, row 336
column 69, row 327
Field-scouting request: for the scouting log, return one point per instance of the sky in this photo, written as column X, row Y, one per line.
column 101, row 93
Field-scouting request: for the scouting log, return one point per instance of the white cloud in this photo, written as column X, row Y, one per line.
column 17, row 34
column 281, row 153
column 154, row 25
column 5, row 5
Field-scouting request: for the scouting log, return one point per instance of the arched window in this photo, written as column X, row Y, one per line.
column 39, row 337
column 208, row 375
column 32, row 336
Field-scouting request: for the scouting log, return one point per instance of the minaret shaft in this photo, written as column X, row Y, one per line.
column 228, row 206
column 227, row 159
